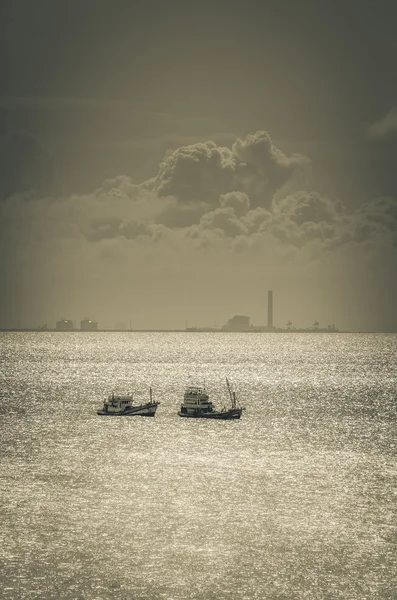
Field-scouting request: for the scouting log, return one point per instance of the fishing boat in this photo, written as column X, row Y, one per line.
column 197, row 405
column 123, row 406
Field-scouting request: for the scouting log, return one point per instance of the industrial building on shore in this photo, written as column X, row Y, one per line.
column 64, row 325
column 237, row 323
column 242, row 323
column 86, row 324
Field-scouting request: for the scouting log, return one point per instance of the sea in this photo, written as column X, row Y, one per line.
column 296, row 500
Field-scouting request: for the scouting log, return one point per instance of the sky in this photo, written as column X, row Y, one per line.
column 164, row 163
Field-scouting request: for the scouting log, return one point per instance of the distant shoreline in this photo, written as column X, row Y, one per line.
column 26, row 330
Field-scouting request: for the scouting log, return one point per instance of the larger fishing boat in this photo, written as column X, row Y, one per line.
column 123, row 406
column 197, row 404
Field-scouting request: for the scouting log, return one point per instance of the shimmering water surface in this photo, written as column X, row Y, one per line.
column 296, row 500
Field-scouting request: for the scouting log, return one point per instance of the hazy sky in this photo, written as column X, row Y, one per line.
column 172, row 161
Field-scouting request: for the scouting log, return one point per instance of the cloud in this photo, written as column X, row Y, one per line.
column 263, row 169
column 198, row 172
column 224, row 220
column 114, row 227
column 239, row 201
column 194, row 192
column 384, row 127
column 176, row 215
column 377, row 221
column 253, row 166
column 304, row 207
column 303, row 217
column 299, row 220
column 211, row 213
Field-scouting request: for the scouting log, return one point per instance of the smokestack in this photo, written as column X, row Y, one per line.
column 270, row 309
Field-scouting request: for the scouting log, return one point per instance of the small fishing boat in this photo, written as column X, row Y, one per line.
column 197, row 405
column 122, row 406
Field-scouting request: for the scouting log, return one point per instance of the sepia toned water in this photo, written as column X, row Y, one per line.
column 297, row 500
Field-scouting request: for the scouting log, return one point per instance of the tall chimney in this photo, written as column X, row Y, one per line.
column 270, row 309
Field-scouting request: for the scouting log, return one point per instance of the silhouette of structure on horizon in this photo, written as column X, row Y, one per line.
column 64, row 325
column 241, row 323
column 269, row 310
column 237, row 323
column 87, row 324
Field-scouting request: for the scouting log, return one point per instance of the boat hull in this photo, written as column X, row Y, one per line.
column 225, row 415
column 144, row 410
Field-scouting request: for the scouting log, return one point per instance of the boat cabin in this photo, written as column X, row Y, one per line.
column 116, row 404
column 196, row 400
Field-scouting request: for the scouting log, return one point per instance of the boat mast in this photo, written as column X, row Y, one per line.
column 150, row 393
column 231, row 394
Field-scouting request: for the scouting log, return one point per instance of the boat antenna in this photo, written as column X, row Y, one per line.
column 150, row 394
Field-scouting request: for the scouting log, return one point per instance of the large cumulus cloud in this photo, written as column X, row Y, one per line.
column 247, row 190
column 204, row 171
column 197, row 172
column 210, row 209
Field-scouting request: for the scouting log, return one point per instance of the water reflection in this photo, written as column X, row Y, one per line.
column 296, row 500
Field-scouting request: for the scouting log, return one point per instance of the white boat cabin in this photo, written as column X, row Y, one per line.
column 115, row 404
column 196, row 399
